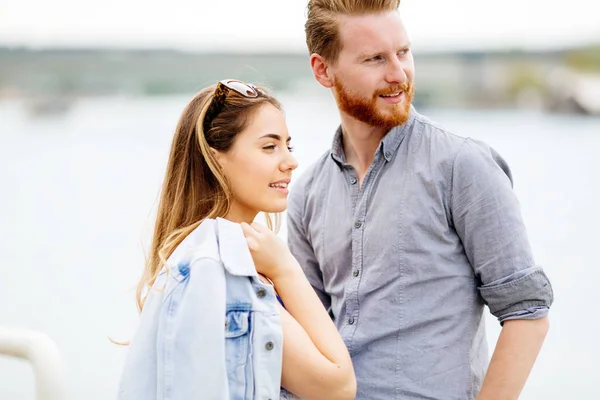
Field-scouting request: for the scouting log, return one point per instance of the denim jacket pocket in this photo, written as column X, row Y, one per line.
column 237, row 338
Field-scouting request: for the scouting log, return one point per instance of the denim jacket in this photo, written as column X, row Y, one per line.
column 210, row 328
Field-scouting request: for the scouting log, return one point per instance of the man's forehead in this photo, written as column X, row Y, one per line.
column 366, row 32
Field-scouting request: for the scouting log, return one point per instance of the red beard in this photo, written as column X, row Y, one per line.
column 366, row 110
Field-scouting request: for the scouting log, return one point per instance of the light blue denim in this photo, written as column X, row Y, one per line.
column 210, row 328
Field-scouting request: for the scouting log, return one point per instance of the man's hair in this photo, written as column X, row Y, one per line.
column 322, row 23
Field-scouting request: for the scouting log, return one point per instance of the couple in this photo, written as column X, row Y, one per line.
column 402, row 232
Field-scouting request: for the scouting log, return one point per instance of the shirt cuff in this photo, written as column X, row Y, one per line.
column 515, row 298
column 529, row 313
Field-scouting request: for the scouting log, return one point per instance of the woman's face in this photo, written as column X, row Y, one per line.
column 259, row 165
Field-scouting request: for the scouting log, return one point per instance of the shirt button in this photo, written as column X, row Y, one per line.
column 351, row 321
column 357, row 224
column 388, row 154
column 261, row 293
column 353, row 181
column 269, row 346
column 356, row 273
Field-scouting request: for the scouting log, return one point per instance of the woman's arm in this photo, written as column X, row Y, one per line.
column 316, row 363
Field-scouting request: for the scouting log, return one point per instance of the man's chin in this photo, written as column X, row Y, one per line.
column 395, row 117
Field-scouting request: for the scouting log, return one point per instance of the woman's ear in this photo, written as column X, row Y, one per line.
column 217, row 155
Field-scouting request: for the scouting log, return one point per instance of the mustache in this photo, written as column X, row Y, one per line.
column 405, row 87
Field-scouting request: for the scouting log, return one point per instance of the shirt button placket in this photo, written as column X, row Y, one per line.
column 351, row 320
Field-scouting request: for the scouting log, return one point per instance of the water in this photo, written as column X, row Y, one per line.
column 78, row 193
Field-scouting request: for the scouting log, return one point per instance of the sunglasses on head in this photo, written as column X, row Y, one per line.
column 220, row 96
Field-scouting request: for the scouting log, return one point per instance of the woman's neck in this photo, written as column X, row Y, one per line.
column 239, row 214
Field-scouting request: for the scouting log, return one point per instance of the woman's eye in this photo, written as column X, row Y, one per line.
column 269, row 147
column 291, row 148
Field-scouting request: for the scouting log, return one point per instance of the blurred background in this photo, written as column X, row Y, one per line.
column 90, row 94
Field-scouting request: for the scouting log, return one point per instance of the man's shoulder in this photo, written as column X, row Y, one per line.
column 433, row 133
column 309, row 177
column 442, row 144
column 449, row 148
column 308, row 183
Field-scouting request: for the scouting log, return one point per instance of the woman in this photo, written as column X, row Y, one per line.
column 211, row 327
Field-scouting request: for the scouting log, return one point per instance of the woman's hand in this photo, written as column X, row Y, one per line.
column 271, row 255
column 316, row 363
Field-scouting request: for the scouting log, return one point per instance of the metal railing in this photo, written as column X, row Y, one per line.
column 44, row 357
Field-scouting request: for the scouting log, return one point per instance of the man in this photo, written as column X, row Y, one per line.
column 406, row 230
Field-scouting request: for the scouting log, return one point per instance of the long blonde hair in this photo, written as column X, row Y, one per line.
column 322, row 23
column 194, row 187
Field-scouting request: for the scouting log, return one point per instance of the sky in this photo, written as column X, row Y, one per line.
column 278, row 25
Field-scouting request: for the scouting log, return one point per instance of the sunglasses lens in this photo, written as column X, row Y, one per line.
column 241, row 87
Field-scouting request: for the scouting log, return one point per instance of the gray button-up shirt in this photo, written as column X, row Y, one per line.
column 407, row 261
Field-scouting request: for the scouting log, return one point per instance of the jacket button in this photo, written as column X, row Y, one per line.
column 353, row 181
column 351, row 321
column 357, row 224
column 269, row 346
column 261, row 292
column 356, row 273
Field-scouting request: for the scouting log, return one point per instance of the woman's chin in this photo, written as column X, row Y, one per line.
column 275, row 207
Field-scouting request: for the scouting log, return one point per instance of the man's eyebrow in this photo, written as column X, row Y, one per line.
column 370, row 54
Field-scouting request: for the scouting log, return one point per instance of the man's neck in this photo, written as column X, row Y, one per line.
column 360, row 143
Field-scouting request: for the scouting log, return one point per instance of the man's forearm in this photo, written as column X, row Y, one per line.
column 518, row 346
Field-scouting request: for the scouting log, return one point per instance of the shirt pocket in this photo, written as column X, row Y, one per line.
column 237, row 338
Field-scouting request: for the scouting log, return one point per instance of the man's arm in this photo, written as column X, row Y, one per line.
column 487, row 218
column 299, row 243
column 518, row 346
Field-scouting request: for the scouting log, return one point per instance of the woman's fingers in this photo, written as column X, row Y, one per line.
column 252, row 236
column 249, row 231
column 252, row 243
column 260, row 228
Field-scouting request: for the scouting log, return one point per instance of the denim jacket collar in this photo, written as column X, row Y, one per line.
column 233, row 249
column 219, row 239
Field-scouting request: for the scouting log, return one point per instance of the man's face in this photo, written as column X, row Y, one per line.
column 373, row 75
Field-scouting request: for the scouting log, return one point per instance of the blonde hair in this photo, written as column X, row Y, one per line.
column 194, row 187
column 322, row 24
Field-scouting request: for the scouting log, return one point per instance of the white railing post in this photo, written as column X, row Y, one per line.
column 44, row 357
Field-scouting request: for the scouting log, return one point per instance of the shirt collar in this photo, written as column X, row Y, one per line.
column 388, row 146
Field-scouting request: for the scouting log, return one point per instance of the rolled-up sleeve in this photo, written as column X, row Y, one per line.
column 487, row 217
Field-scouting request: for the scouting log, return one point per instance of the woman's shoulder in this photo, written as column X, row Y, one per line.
column 217, row 240
column 201, row 243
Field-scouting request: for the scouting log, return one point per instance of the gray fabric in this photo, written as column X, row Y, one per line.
column 406, row 262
